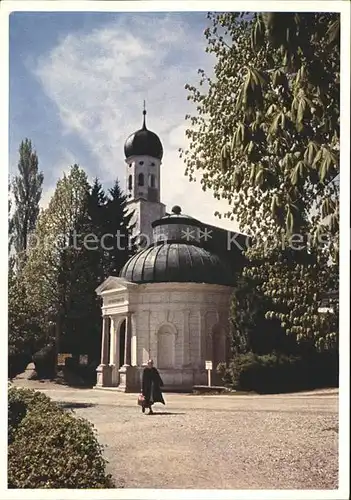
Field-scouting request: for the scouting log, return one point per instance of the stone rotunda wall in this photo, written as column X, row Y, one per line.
column 178, row 325
column 175, row 325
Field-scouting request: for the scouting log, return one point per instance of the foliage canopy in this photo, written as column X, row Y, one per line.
column 266, row 133
column 266, row 138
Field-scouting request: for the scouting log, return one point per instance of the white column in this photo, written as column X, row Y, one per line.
column 112, row 354
column 127, row 340
column 117, row 328
column 143, row 329
column 114, row 350
column 133, row 343
column 103, row 373
column 152, row 348
column 104, row 340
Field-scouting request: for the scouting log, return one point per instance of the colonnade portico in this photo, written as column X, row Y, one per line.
column 115, row 362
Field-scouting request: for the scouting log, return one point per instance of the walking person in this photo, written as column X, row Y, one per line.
column 151, row 387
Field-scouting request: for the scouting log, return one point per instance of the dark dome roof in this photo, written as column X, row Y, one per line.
column 143, row 142
column 176, row 217
column 176, row 262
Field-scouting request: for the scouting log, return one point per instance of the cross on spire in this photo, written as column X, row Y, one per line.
column 144, row 113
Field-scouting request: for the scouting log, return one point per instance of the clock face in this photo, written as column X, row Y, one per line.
column 141, row 241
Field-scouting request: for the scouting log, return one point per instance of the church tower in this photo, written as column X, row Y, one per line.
column 143, row 154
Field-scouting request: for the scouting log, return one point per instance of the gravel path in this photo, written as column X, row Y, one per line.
column 234, row 442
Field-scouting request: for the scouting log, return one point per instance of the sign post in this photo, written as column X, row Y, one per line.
column 208, row 365
column 61, row 358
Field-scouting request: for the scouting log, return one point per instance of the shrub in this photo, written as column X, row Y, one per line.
column 85, row 372
column 324, row 368
column 88, row 372
column 17, row 363
column 45, row 362
column 274, row 373
column 52, row 448
column 19, row 402
column 16, row 411
column 76, row 373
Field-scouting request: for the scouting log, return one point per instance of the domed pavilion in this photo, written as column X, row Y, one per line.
column 171, row 300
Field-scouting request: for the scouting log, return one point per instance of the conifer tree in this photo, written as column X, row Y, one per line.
column 117, row 224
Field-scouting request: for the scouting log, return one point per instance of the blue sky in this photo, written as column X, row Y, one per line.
column 77, row 84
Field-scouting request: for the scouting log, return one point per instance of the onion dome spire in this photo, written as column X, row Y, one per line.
column 144, row 117
column 143, row 142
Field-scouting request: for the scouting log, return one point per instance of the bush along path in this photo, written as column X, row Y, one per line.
column 51, row 448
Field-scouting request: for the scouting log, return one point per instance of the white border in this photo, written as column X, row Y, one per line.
column 175, row 5
column 344, row 287
column 7, row 6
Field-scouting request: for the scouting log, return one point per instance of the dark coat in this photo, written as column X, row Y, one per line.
column 151, row 387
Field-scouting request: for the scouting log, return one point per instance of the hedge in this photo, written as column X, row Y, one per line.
column 51, row 448
column 19, row 402
column 87, row 373
column 275, row 373
column 17, row 363
column 45, row 362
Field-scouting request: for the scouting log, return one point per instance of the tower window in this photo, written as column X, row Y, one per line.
column 152, row 164
column 140, row 179
column 130, row 182
column 141, row 163
column 152, row 181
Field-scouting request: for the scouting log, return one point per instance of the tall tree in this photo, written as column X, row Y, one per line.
column 10, row 218
column 83, row 319
column 97, row 206
column 71, row 256
column 266, row 138
column 251, row 331
column 26, row 333
column 119, row 245
column 56, row 244
column 105, row 225
column 27, row 190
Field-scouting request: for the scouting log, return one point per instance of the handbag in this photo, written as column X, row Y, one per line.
column 141, row 400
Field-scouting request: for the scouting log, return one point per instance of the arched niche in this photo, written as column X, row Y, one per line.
column 152, row 180
column 141, row 179
column 166, row 337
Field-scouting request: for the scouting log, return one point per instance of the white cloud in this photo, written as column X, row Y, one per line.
column 99, row 79
column 57, row 171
